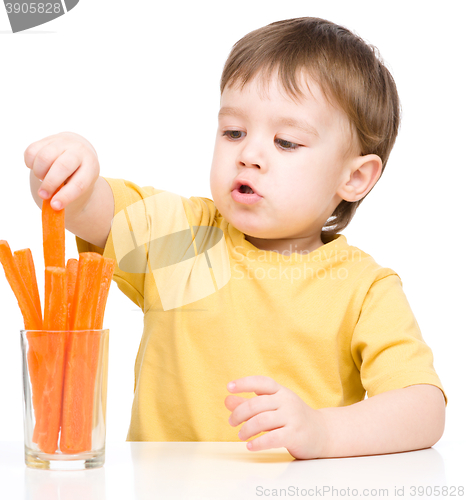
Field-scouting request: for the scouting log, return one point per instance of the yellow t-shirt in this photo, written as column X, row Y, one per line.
column 330, row 325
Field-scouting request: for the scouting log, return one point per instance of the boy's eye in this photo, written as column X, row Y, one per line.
column 287, row 145
column 233, row 134
column 282, row 143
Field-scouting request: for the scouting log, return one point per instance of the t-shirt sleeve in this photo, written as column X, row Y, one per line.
column 387, row 345
column 151, row 229
column 125, row 194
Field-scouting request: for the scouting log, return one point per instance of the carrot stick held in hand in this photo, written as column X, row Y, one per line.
column 53, row 234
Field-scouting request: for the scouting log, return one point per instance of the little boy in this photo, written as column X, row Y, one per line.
column 256, row 291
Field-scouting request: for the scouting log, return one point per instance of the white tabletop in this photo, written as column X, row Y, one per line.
column 229, row 471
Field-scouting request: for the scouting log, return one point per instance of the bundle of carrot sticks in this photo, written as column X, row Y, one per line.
column 63, row 342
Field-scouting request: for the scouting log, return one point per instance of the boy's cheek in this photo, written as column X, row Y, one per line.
column 218, row 180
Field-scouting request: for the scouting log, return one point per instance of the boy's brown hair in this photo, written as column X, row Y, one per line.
column 350, row 73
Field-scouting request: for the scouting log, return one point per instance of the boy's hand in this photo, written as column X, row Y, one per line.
column 70, row 159
column 63, row 158
column 290, row 422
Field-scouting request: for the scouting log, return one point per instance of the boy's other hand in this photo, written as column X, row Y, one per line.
column 63, row 158
column 288, row 421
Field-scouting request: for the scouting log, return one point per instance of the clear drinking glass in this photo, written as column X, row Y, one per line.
column 65, row 396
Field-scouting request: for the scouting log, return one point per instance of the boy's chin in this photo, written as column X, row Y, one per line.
column 250, row 227
column 258, row 235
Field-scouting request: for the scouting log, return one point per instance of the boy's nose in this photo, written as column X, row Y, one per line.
column 247, row 164
column 251, row 155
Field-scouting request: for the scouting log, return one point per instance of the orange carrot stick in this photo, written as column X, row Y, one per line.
column 25, row 264
column 37, row 353
column 107, row 273
column 53, row 233
column 55, row 318
column 87, row 291
column 32, row 319
column 79, row 386
column 55, row 307
column 95, row 344
column 71, row 277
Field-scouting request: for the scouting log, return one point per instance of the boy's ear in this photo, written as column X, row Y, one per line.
column 360, row 177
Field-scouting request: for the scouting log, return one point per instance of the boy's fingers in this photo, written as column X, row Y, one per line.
column 62, row 168
column 273, row 439
column 76, row 185
column 252, row 407
column 31, row 151
column 267, row 421
column 45, row 157
column 231, row 402
column 256, row 383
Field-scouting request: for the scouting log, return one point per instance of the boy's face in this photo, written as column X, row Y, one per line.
column 292, row 154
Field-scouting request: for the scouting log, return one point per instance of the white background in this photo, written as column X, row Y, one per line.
column 140, row 80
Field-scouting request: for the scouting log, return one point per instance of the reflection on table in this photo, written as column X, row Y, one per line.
column 227, row 471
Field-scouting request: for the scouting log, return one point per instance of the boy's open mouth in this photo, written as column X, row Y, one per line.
column 245, row 189
column 243, row 193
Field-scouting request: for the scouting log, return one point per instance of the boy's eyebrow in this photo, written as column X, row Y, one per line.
column 288, row 121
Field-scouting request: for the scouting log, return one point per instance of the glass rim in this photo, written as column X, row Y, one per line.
column 61, row 331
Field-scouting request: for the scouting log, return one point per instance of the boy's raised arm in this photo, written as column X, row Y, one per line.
column 69, row 159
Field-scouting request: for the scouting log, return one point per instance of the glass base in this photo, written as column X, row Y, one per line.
column 58, row 461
